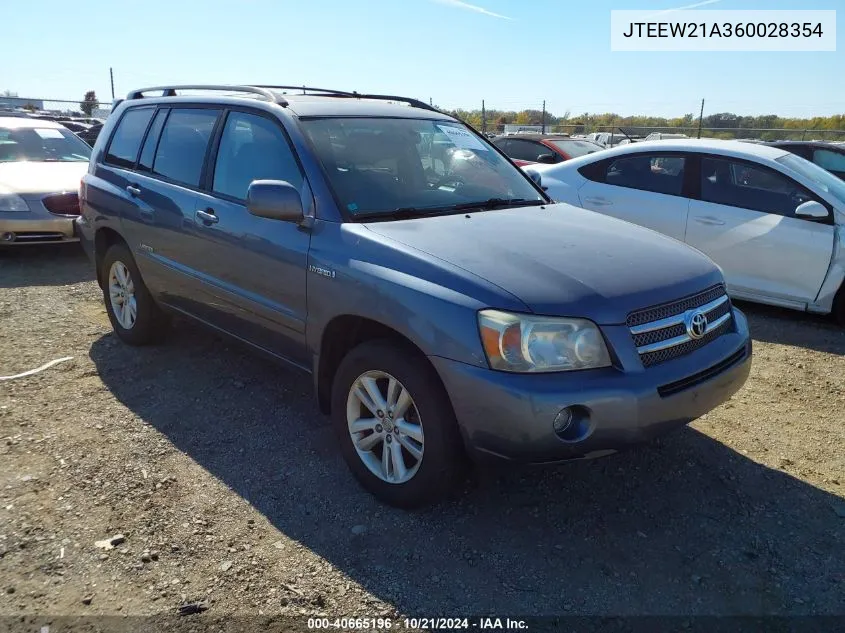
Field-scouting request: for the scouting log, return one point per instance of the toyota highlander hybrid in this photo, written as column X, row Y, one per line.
column 444, row 306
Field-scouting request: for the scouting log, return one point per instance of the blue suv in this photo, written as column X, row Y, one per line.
column 444, row 306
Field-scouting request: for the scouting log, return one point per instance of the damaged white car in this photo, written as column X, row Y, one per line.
column 771, row 220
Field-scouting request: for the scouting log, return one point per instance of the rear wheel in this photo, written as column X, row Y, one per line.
column 395, row 424
column 133, row 313
column 839, row 306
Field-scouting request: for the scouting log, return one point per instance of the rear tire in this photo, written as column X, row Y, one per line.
column 415, row 419
column 134, row 314
column 839, row 306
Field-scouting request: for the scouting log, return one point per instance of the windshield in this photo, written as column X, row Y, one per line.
column 41, row 144
column 381, row 166
column 577, row 148
column 824, row 180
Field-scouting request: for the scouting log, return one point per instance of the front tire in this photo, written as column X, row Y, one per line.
column 396, row 426
column 134, row 315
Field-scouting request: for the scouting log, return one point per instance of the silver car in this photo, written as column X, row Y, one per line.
column 41, row 164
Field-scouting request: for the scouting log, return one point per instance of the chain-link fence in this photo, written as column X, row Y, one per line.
column 763, row 134
column 53, row 108
column 78, row 110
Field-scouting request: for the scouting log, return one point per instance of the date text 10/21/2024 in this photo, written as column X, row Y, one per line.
column 432, row 624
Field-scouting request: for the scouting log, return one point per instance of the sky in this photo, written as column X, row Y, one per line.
column 511, row 53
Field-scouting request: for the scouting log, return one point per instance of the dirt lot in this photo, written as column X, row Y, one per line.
column 226, row 483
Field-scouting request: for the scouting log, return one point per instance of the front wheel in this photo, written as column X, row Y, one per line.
column 395, row 423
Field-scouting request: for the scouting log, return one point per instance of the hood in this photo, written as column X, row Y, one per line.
column 35, row 178
column 561, row 260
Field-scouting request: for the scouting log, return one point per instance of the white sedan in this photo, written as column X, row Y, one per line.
column 774, row 222
column 41, row 164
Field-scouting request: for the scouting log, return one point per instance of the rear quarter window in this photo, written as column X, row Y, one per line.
column 127, row 137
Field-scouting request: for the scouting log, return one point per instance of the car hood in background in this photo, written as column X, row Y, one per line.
column 562, row 260
column 34, row 178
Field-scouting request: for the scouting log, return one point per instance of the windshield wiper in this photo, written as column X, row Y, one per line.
column 493, row 203
column 406, row 213
column 402, row 213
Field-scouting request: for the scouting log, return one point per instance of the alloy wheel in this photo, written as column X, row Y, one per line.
column 385, row 426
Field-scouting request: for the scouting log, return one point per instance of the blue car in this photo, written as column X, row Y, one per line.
column 446, row 308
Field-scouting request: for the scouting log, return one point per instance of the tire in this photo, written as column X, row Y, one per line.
column 149, row 323
column 839, row 306
column 429, row 417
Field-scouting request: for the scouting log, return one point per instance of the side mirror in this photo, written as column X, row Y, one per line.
column 548, row 159
column 274, row 199
column 811, row 209
column 535, row 176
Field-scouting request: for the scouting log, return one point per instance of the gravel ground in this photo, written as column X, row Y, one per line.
column 228, row 491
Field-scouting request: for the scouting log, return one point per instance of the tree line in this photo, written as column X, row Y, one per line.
column 497, row 119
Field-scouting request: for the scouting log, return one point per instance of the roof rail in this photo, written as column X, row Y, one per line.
column 416, row 103
column 170, row 91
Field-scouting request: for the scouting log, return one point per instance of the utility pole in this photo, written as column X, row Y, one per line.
column 543, row 121
column 430, row 102
column 700, row 118
column 483, row 118
column 111, row 75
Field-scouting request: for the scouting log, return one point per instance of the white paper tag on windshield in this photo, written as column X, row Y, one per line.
column 462, row 138
column 48, row 132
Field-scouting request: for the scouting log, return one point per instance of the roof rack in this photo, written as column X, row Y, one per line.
column 170, row 91
column 415, row 103
column 266, row 92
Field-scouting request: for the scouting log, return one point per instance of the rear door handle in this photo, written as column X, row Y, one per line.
column 709, row 220
column 207, row 217
column 133, row 191
column 599, row 202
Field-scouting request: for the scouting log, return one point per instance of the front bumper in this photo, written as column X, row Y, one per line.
column 37, row 226
column 510, row 416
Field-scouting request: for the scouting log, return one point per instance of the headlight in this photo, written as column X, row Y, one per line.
column 12, row 203
column 524, row 343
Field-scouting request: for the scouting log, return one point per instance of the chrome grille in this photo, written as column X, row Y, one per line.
column 660, row 333
column 676, row 307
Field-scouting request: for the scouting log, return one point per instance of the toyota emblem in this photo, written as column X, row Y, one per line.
column 696, row 323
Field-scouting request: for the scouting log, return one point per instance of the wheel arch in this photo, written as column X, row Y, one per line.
column 342, row 334
column 104, row 238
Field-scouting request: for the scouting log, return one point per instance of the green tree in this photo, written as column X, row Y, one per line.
column 89, row 103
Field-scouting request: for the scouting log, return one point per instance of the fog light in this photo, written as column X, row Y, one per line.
column 563, row 420
column 8, row 237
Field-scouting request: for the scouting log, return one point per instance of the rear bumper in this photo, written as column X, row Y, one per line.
column 510, row 416
column 85, row 233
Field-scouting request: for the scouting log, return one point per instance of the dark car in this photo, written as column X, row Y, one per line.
column 442, row 303
column 74, row 126
column 528, row 149
column 90, row 135
column 828, row 156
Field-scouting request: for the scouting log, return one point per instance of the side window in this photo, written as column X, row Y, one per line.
column 649, row 172
column 145, row 162
column 758, row 188
column 252, row 147
column 184, row 140
column 829, row 160
column 526, row 150
column 126, row 140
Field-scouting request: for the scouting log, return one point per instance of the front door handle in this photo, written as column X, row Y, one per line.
column 133, row 191
column 709, row 220
column 599, row 202
column 207, row 217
